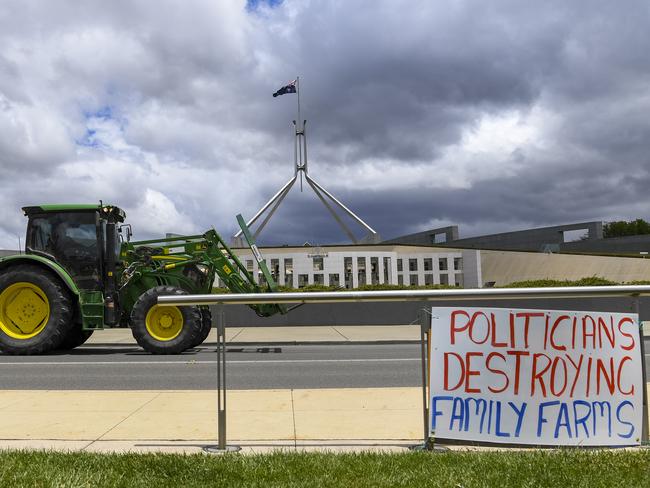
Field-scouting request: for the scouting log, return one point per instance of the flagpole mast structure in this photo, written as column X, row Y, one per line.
column 330, row 202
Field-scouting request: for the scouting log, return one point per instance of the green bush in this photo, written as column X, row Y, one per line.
column 588, row 281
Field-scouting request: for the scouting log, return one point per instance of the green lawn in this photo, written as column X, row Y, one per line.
column 565, row 469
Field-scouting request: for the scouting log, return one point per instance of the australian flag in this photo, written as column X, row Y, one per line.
column 288, row 88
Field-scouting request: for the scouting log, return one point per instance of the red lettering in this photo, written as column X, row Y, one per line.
column 609, row 332
column 494, row 342
column 453, row 329
column 472, row 323
column 470, row 372
column 609, row 378
column 627, row 320
column 565, row 381
column 461, row 380
column 497, row 371
column 586, row 334
column 517, row 355
column 577, row 375
column 618, row 377
column 537, row 376
column 557, row 322
column 527, row 316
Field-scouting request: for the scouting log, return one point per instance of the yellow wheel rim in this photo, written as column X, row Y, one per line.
column 24, row 310
column 164, row 322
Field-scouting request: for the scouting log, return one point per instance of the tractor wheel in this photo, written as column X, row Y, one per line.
column 164, row 329
column 75, row 338
column 36, row 311
column 206, row 325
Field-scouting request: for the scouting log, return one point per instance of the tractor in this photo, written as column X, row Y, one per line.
column 80, row 272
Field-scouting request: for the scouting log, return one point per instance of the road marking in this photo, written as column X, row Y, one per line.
column 277, row 361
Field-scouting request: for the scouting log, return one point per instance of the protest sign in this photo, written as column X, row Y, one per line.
column 535, row 377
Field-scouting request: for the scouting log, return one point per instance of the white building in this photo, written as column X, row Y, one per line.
column 354, row 266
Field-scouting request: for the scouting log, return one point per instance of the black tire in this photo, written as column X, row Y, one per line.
column 188, row 329
column 206, row 326
column 75, row 338
column 34, row 283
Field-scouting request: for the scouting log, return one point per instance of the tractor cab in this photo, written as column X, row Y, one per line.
column 82, row 239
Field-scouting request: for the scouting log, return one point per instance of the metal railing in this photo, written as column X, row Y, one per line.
column 472, row 294
column 409, row 295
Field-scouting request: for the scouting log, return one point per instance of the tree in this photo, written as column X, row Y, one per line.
column 622, row 228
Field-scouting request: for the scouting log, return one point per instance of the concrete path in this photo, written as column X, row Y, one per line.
column 288, row 335
column 186, row 420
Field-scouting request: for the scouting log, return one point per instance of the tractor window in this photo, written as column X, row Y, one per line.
column 71, row 239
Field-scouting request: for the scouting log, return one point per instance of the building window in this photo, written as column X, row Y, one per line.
column 374, row 271
column 288, row 272
column 400, row 280
column 428, row 264
column 413, row 264
column 275, row 268
column 442, row 264
column 361, row 270
column 347, row 272
column 334, row 280
column 458, row 264
column 458, row 280
column 303, row 280
column 249, row 265
column 318, row 263
column 319, row 279
column 413, row 280
column 387, row 271
column 399, row 265
column 428, row 279
column 444, row 279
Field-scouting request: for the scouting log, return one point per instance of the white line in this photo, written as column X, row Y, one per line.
column 192, row 363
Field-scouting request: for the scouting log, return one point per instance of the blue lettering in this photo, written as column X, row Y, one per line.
column 540, row 416
column 480, row 404
column 457, row 413
column 618, row 417
column 520, row 416
column 563, row 421
column 581, row 419
column 497, row 427
column 435, row 413
column 602, row 406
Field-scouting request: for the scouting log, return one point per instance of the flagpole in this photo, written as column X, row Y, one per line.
column 298, row 93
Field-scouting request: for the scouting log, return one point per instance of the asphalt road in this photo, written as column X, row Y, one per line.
column 250, row 367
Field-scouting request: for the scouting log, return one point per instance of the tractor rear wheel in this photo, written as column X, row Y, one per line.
column 164, row 329
column 36, row 310
column 206, row 326
column 75, row 338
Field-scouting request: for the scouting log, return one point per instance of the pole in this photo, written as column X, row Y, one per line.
column 423, row 319
column 644, row 421
column 298, row 93
column 221, row 447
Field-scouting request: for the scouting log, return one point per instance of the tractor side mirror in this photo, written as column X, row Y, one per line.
column 128, row 229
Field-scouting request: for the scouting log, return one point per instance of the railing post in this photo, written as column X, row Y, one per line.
column 644, row 422
column 221, row 386
column 425, row 325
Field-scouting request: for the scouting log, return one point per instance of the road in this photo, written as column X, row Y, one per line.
column 251, row 367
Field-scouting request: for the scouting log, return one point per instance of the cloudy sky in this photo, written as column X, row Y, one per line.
column 490, row 115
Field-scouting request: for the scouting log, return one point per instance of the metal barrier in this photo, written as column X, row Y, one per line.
column 634, row 291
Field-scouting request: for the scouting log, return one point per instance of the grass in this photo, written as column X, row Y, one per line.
column 568, row 468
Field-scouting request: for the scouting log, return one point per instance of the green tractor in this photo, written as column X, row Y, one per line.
column 81, row 272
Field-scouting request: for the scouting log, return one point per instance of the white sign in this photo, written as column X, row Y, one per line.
column 535, row 377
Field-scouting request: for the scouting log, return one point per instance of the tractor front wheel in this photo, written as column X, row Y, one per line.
column 165, row 329
column 35, row 310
